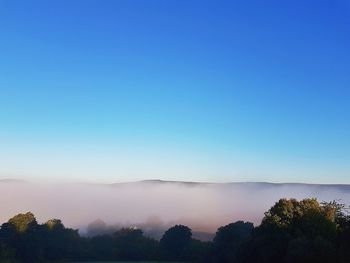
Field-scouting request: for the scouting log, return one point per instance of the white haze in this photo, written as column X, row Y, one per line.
column 203, row 207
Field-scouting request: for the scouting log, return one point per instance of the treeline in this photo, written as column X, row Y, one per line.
column 291, row 231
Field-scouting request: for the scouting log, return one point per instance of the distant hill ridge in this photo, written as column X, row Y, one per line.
column 233, row 185
column 158, row 181
column 191, row 183
column 9, row 180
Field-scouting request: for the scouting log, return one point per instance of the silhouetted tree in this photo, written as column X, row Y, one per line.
column 7, row 255
column 131, row 244
column 23, row 234
column 310, row 250
column 102, row 247
column 268, row 244
column 291, row 231
column 229, row 240
column 60, row 242
column 175, row 243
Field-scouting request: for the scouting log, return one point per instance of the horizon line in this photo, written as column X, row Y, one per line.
column 19, row 180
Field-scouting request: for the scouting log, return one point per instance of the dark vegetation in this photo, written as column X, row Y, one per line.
column 291, row 231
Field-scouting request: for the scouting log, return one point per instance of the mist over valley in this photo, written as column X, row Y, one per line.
column 154, row 205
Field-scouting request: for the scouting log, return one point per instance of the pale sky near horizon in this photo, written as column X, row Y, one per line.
column 109, row 91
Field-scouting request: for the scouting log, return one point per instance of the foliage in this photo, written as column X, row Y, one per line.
column 22, row 222
column 299, row 231
column 291, row 231
column 230, row 239
column 175, row 243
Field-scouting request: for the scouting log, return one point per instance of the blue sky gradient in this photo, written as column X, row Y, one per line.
column 109, row 91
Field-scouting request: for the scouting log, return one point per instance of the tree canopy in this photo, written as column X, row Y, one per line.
column 304, row 231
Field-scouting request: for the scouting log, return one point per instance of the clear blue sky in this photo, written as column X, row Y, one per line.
column 189, row 90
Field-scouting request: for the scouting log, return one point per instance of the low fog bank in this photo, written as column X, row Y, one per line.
column 154, row 205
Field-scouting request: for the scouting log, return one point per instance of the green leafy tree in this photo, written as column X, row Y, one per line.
column 306, row 217
column 22, row 222
column 23, row 234
column 306, row 231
